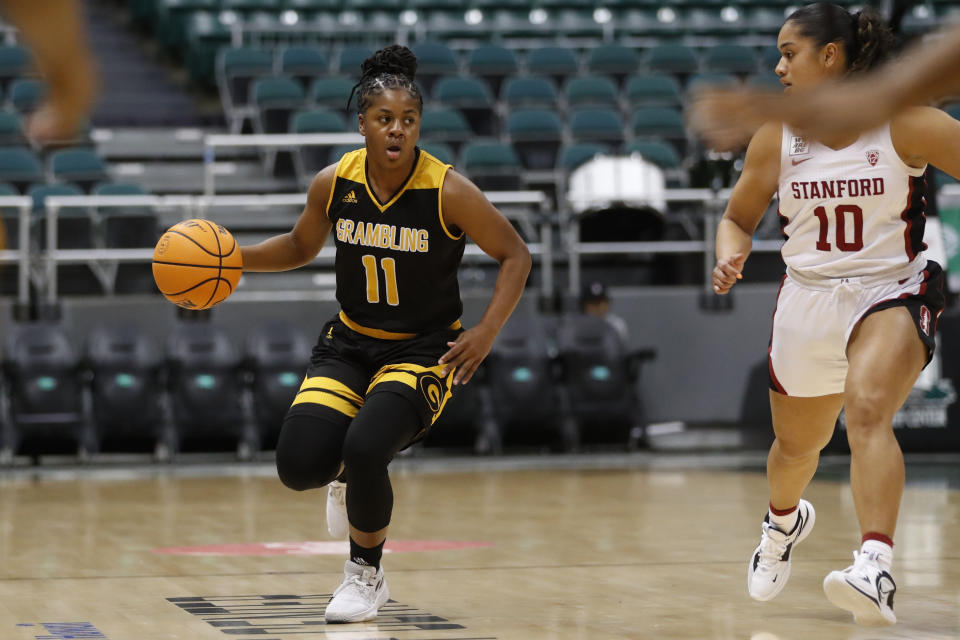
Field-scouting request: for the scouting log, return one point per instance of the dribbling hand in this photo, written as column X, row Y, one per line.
column 727, row 272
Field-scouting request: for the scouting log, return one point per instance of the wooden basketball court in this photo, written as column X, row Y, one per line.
column 644, row 552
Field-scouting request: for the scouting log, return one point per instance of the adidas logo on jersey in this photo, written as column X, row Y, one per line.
column 350, row 198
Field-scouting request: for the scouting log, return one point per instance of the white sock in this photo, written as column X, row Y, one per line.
column 879, row 550
column 785, row 523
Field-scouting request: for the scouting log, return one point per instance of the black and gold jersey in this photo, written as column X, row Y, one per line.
column 397, row 261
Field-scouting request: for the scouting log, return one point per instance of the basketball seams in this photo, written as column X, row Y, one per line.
column 195, row 266
column 216, row 237
column 202, row 248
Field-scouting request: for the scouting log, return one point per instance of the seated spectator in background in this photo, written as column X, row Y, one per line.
column 595, row 302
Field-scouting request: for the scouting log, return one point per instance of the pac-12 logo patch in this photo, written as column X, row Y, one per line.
column 925, row 319
column 873, row 156
column 432, row 391
column 798, row 146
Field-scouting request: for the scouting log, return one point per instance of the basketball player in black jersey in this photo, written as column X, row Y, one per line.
column 385, row 366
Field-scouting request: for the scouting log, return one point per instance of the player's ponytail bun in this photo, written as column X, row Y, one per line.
column 874, row 41
column 393, row 67
column 864, row 36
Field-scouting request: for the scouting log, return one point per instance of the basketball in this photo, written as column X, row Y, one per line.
column 197, row 264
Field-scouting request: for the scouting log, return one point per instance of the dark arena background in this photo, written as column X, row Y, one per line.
column 603, row 475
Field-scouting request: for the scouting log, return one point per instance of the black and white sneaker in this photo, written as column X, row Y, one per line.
column 360, row 595
column 865, row 589
column 769, row 567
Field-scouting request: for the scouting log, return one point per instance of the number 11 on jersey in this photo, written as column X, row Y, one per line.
column 389, row 266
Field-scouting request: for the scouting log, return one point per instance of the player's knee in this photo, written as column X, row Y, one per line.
column 865, row 413
column 307, row 455
column 361, row 452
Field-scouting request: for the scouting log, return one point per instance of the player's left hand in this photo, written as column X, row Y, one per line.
column 467, row 352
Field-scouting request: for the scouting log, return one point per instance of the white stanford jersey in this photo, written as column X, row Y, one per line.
column 856, row 211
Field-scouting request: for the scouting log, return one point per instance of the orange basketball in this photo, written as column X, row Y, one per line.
column 197, row 264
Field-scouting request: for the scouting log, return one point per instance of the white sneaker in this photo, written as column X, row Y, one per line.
column 337, row 524
column 360, row 595
column 769, row 567
column 865, row 589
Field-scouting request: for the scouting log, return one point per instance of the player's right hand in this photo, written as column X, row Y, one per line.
column 727, row 272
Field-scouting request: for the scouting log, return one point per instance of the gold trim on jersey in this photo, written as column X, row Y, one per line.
column 329, row 392
column 443, row 223
column 333, row 187
column 428, row 174
column 381, row 333
column 436, row 390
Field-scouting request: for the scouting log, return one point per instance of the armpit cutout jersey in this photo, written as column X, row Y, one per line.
column 856, row 211
column 396, row 262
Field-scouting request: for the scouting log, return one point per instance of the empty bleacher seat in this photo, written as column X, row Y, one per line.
column 613, row 60
column 20, row 166
column 530, row 91
column 556, row 62
column 672, row 58
column 14, row 62
column 659, row 153
column 303, row 63
column 275, row 99
column 597, row 125
column 591, row 91
column 441, row 151
column 492, row 165
column 26, row 94
column 536, row 135
column 434, row 60
column 237, row 67
column 493, row 63
column 445, row 125
column 659, row 122
column 309, row 159
column 11, row 129
column 332, row 93
column 472, row 97
column 653, row 90
column 82, row 167
column 730, row 58
column 350, row 59
column 701, row 80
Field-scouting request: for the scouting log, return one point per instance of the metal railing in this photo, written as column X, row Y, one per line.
column 22, row 255
column 526, row 208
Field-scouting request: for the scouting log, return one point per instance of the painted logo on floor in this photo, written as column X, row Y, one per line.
column 62, row 630
column 282, row 617
column 326, row 548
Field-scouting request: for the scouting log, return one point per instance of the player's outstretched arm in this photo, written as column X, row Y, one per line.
column 748, row 202
column 55, row 34
column 466, row 208
column 302, row 244
column 924, row 135
column 727, row 118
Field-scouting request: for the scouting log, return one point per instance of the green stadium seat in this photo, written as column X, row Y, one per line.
column 659, row 153
column 556, row 62
column 444, row 125
column 173, row 17
column 677, row 59
column 332, row 93
column 573, row 155
column 26, row 94
column 591, row 91
column 248, row 8
column 309, row 159
column 441, row 151
column 472, row 97
column 492, row 165
column 536, row 135
column 597, row 125
column 275, row 99
column 20, row 166
column 730, row 58
column 572, row 23
column 237, row 67
column 434, row 60
column 708, row 21
column 350, row 59
column 653, row 90
column 205, row 36
column 303, row 63
column 15, row 61
column 659, row 122
column 342, row 149
column 763, row 20
column 529, row 91
column 953, row 110
column 493, row 63
column 11, row 129
column 10, row 218
column 613, row 60
column 74, row 224
column 82, row 167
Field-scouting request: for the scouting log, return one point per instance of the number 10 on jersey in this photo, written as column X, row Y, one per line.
column 840, row 215
column 389, row 266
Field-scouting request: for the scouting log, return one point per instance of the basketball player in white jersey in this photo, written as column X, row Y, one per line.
column 857, row 309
